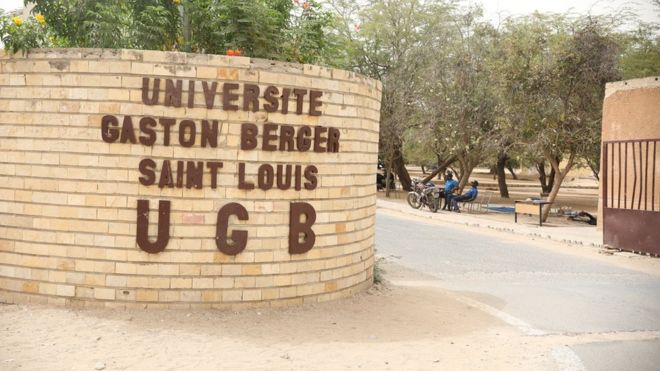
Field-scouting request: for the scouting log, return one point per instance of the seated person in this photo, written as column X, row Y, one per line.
column 471, row 194
column 450, row 186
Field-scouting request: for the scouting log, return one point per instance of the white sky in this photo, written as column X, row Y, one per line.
column 497, row 9
column 11, row 4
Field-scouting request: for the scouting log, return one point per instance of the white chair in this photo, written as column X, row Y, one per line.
column 480, row 203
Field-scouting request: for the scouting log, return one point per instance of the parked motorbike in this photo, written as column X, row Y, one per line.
column 424, row 195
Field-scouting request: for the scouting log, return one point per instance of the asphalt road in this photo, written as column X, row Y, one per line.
column 544, row 292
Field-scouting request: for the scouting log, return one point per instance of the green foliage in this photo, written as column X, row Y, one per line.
column 23, row 34
column 553, row 76
column 641, row 56
column 419, row 147
column 386, row 42
column 297, row 31
column 463, row 90
column 218, row 25
column 104, row 25
column 307, row 40
column 144, row 24
column 155, row 25
column 264, row 29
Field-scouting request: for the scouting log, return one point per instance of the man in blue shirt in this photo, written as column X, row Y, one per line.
column 470, row 195
column 450, row 186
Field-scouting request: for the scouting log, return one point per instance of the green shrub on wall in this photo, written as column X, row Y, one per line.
column 20, row 34
column 288, row 30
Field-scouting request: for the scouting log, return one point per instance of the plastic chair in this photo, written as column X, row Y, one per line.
column 481, row 202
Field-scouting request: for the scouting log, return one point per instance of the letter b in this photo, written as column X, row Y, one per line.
column 296, row 246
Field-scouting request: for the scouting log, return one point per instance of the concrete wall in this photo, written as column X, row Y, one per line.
column 68, row 199
column 631, row 112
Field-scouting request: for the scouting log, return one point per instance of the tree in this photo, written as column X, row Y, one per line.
column 418, row 148
column 387, row 40
column 557, row 70
column 463, row 95
column 641, row 50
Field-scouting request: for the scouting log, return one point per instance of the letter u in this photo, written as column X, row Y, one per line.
column 145, row 91
column 142, row 236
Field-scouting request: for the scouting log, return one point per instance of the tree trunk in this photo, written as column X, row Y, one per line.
column 547, row 181
column 561, row 175
column 187, row 32
column 423, row 170
column 553, row 194
column 441, row 168
column 387, row 181
column 466, row 171
column 457, row 173
column 501, row 175
column 465, row 178
column 595, row 170
column 513, row 173
column 399, row 168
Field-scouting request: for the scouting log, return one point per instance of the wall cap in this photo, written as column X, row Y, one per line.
column 646, row 82
column 175, row 57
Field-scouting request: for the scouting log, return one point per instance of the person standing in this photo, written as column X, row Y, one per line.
column 450, row 186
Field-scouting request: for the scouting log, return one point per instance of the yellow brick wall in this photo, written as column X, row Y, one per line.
column 68, row 200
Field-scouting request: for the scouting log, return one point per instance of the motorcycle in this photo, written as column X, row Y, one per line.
column 424, row 195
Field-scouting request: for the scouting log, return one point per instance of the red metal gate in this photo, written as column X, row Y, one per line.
column 631, row 195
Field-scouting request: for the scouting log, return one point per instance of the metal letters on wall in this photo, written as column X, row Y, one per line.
column 197, row 174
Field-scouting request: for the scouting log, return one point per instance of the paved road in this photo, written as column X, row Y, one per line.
column 546, row 291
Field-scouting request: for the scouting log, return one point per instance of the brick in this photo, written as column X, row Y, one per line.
column 104, row 294
column 202, row 283
column 115, row 281
column 146, row 295
column 223, row 282
column 181, row 283
column 232, row 295
column 251, row 295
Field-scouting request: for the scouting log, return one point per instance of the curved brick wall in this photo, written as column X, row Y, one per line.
column 68, row 199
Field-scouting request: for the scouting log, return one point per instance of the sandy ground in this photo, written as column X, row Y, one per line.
column 388, row 327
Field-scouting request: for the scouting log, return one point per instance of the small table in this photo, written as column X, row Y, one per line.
column 530, row 207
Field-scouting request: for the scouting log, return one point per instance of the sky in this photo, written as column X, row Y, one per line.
column 499, row 9
column 10, row 4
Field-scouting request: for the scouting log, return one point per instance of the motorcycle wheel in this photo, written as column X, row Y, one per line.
column 413, row 200
column 433, row 205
